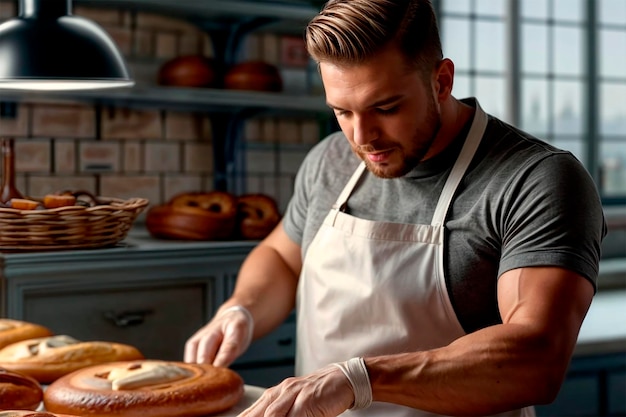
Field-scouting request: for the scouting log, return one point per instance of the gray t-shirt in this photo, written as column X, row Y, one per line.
column 521, row 203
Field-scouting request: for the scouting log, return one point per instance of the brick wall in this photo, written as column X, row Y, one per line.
column 152, row 153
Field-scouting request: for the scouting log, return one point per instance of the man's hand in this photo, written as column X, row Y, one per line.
column 222, row 340
column 324, row 393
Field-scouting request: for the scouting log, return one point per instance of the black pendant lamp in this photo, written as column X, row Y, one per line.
column 46, row 48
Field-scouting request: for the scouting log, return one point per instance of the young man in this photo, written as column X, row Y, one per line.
column 440, row 260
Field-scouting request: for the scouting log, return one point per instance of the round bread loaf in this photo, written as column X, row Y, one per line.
column 257, row 215
column 194, row 216
column 19, row 391
column 149, row 389
column 188, row 71
column 48, row 358
column 12, row 331
column 255, row 76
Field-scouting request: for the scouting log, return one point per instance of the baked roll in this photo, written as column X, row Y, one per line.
column 12, row 331
column 19, row 391
column 49, row 358
column 146, row 388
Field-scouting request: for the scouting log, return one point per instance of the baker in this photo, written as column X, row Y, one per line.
column 440, row 260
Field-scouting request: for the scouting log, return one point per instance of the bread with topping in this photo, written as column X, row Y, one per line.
column 48, row 358
column 145, row 388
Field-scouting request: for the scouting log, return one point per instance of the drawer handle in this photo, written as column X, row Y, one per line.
column 127, row 318
column 287, row 341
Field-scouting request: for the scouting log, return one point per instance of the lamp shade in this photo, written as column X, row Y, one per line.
column 46, row 48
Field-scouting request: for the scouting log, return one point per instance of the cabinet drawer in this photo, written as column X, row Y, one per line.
column 156, row 320
column 277, row 346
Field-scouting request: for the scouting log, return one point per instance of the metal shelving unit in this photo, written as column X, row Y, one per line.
column 227, row 22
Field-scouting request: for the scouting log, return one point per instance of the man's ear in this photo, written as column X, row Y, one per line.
column 444, row 79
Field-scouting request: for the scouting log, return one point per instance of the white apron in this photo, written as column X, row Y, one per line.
column 372, row 288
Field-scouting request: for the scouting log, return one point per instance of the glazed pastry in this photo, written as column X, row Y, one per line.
column 145, row 388
column 49, row 358
column 12, row 331
column 58, row 200
column 194, row 216
column 257, row 215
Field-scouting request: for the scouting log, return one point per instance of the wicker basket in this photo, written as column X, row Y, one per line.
column 69, row 227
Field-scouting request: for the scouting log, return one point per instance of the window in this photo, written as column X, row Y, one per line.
column 612, row 96
column 474, row 38
column 555, row 68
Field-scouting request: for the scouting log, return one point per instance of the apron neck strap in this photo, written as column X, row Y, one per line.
column 347, row 190
column 479, row 124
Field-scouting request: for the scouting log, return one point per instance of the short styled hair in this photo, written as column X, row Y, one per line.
column 347, row 32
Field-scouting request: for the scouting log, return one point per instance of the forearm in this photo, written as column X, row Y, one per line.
column 266, row 286
column 496, row 369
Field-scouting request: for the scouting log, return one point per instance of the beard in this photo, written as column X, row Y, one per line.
column 411, row 154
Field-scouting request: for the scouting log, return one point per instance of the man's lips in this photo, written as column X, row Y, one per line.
column 378, row 156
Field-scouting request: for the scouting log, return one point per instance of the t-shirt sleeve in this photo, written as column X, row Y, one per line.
column 554, row 218
column 295, row 216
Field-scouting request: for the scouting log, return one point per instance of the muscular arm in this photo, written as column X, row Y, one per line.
column 266, row 283
column 518, row 363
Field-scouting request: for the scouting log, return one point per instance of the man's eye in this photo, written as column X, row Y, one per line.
column 339, row 113
column 390, row 110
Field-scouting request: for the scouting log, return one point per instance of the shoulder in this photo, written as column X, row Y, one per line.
column 515, row 154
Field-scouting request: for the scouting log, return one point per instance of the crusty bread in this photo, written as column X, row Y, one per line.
column 29, row 413
column 12, row 331
column 48, row 358
column 195, row 390
column 257, row 215
column 19, row 391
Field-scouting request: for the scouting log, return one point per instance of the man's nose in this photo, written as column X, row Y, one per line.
column 364, row 130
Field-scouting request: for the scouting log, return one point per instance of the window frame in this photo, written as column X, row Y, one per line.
column 590, row 134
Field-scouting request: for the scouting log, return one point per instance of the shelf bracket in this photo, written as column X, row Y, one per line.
column 227, row 158
column 227, row 39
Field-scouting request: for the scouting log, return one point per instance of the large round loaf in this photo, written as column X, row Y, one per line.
column 188, row 71
column 203, row 390
column 49, row 358
column 12, row 331
column 255, row 76
column 29, row 413
column 19, row 391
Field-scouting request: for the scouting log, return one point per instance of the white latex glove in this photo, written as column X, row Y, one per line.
column 323, row 393
column 223, row 339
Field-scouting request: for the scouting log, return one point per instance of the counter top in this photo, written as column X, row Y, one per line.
column 138, row 245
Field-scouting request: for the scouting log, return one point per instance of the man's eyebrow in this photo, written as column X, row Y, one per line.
column 378, row 103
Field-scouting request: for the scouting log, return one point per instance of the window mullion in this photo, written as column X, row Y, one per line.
column 592, row 137
column 513, row 65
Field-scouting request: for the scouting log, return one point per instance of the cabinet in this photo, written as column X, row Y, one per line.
column 152, row 295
